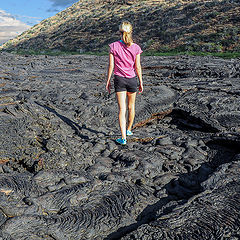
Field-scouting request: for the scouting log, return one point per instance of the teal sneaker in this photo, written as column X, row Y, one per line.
column 121, row 141
column 129, row 133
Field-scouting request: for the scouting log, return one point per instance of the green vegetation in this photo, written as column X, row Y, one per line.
column 53, row 52
column 43, row 52
column 190, row 53
column 145, row 53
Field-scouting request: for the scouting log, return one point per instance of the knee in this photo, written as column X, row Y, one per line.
column 122, row 110
column 131, row 109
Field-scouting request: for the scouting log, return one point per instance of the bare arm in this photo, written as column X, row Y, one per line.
column 110, row 70
column 138, row 69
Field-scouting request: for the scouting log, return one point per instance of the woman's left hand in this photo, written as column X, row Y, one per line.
column 108, row 87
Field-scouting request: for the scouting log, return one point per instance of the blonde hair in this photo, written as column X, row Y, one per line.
column 126, row 29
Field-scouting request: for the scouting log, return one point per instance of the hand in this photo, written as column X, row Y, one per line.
column 140, row 88
column 108, row 87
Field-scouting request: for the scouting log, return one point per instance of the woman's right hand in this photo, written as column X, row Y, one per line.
column 140, row 88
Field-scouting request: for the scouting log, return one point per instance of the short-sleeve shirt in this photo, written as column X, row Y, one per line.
column 124, row 58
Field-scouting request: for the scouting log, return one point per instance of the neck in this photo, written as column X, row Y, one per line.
column 125, row 43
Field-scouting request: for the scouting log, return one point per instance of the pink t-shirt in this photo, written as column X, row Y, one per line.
column 124, row 58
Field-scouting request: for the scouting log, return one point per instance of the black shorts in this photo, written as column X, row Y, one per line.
column 125, row 84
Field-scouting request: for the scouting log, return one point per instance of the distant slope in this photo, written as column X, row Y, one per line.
column 90, row 25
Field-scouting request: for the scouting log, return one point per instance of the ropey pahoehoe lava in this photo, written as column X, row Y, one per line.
column 63, row 177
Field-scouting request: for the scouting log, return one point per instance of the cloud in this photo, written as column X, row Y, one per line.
column 27, row 19
column 60, row 3
column 10, row 27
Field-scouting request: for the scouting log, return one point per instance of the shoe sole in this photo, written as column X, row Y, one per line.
column 120, row 143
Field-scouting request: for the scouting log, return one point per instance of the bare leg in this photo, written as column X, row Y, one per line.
column 131, row 108
column 121, row 98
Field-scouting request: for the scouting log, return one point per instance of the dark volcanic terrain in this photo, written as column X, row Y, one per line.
column 63, row 177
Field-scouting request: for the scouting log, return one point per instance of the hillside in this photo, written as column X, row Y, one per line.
column 210, row 26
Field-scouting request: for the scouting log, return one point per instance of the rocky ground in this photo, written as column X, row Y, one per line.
column 63, row 177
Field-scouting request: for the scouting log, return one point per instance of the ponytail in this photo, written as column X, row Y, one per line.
column 127, row 38
column 126, row 29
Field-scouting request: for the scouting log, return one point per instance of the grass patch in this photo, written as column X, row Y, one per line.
column 53, row 52
column 172, row 53
column 95, row 53
column 227, row 55
column 44, row 52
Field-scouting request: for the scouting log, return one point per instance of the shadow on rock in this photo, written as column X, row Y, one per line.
column 76, row 127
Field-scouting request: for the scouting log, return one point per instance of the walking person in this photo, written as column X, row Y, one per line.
column 124, row 60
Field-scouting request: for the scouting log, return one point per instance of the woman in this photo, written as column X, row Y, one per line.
column 124, row 59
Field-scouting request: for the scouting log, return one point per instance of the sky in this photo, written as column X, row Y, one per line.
column 16, row 16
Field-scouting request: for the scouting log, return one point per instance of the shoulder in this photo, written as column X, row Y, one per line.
column 114, row 43
column 137, row 48
column 114, row 46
